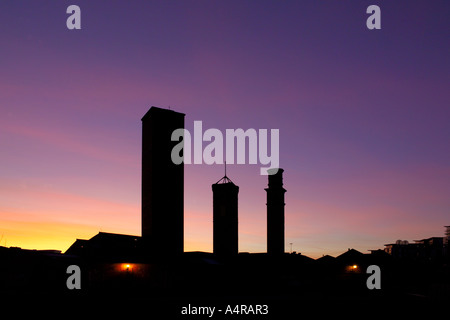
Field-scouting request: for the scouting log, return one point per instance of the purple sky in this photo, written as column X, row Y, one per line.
column 363, row 116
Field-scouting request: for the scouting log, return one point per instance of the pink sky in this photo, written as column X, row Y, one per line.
column 363, row 117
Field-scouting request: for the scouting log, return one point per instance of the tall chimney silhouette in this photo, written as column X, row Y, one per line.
column 225, row 218
column 275, row 212
column 162, row 184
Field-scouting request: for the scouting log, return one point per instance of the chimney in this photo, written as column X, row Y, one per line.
column 162, row 184
column 225, row 218
column 275, row 212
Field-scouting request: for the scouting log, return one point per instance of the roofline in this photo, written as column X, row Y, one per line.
column 157, row 109
column 118, row 234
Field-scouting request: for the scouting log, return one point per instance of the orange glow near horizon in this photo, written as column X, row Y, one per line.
column 363, row 137
column 43, row 235
column 40, row 216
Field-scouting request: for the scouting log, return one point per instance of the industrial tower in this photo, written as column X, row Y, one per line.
column 162, row 184
column 225, row 218
column 275, row 212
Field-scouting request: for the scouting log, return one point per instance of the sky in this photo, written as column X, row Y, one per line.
column 363, row 116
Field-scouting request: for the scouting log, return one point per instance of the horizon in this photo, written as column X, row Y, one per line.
column 362, row 115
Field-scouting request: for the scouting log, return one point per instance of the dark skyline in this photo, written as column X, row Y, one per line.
column 153, row 269
column 363, row 116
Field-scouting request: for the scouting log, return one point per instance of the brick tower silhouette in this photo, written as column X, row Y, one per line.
column 162, row 185
column 225, row 218
column 275, row 212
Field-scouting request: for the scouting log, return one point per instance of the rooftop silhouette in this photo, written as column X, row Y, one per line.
column 155, row 264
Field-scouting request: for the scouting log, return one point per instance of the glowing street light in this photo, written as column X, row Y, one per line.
column 126, row 267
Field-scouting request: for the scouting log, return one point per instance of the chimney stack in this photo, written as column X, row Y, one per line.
column 162, row 184
column 225, row 218
column 275, row 212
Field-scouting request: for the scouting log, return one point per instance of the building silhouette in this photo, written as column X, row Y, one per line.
column 429, row 249
column 120, row 269
column 162, row 184
column 446, row 243
column 275, row 212
column 106, row 246
column 225, row 218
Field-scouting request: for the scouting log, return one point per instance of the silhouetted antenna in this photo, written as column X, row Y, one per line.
column 225, row 179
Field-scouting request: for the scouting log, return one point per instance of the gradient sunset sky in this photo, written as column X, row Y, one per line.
column 363, row 116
